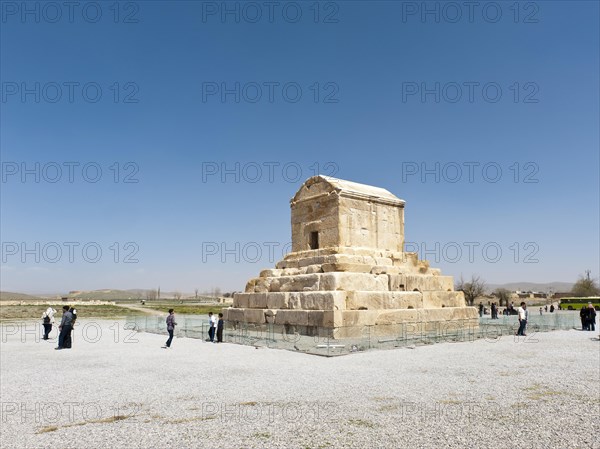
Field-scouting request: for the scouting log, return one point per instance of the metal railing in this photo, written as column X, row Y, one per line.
column 346, row 340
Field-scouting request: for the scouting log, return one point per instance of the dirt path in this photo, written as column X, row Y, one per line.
column 142, row 309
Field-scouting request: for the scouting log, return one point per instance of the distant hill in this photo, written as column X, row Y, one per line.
column 10, row 296
column 107, row 294
column 533, row 286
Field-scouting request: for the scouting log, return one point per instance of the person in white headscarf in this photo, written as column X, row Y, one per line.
column 48, row 321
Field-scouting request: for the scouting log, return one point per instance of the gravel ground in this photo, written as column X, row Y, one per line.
column 118, row 389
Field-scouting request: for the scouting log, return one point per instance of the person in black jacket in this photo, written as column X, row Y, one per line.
column 591, row 317
column 65, row 328
column 220, row 329
column 583, row 316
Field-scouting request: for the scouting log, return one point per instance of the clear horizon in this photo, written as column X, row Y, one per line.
column 159, row 143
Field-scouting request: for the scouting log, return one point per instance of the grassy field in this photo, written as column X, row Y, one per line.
column 184, row 309
column 83, row 311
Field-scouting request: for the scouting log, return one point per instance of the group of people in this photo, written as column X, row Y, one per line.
column 65, row 328
column 588, row 317
column 215, row 328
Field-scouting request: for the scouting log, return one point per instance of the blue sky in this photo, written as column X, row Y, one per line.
column 167, row 94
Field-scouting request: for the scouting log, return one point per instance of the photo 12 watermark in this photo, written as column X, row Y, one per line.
column 69, row 252
column 470, row 12
column 65, row 92
column 327, row 92
column 475, row 252
column 265, row 171
column 470, row 92
column 87, row 331
column 269, row 412
column 489, row 172
column 68, row 413
column 62, row 12
column 248, row 252
column 235, row 12
column 460, row 412
column 70, row 172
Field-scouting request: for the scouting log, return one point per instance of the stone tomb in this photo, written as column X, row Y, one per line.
column 348, row 270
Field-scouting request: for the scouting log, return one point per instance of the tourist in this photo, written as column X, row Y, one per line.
column 212, row 325
column 583, row 316
column 480, row 309
column 591, row 317
column 494, row 311
column 65, row 328
column 69, row 338
column 552, row 308
column 220, row 329
column 170, row 328
column 541, row 311
column 523, row 315
column 546, row 308
column 48, row 321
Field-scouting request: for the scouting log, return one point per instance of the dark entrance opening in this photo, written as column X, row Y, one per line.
column 314, row 240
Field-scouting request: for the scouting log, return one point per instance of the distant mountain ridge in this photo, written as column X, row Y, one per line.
column 555, row 287
column 137, row 293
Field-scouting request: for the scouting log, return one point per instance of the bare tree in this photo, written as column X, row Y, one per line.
column 196, row 293
column 585, row 286
column 151, row 294
column 472, row 289
column 503, row 296
column 177, row 295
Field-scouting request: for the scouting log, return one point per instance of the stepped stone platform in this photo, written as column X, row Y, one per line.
column 347, row 269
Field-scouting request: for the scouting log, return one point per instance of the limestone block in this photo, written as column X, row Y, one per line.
column 241, row 300
column 290, row 271
column 439, row 299
column 315, row 318
column 384, row 300
column 380, row 269
column 293, row 299
column 429, row 283
column 399, row 316
column 397, row 282
column 333, row 318
column 342, row 266
column 299, row 283
column 250, row 286
column 262, row 285
column 335, row 300
column 423, row 266
column 353, row 281
column 233, row 314
column 256, row 316
column 294, row 317
column 277, row 300
column 359, row 317
column 274, row 284
column 383, row 261
column 314, row 269
column 270, row 273
column 382, row 282
column 283, row 264
column 316, row 260
column 257, row 300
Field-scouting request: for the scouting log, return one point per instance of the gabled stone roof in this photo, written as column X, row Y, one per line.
column 346, row 188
